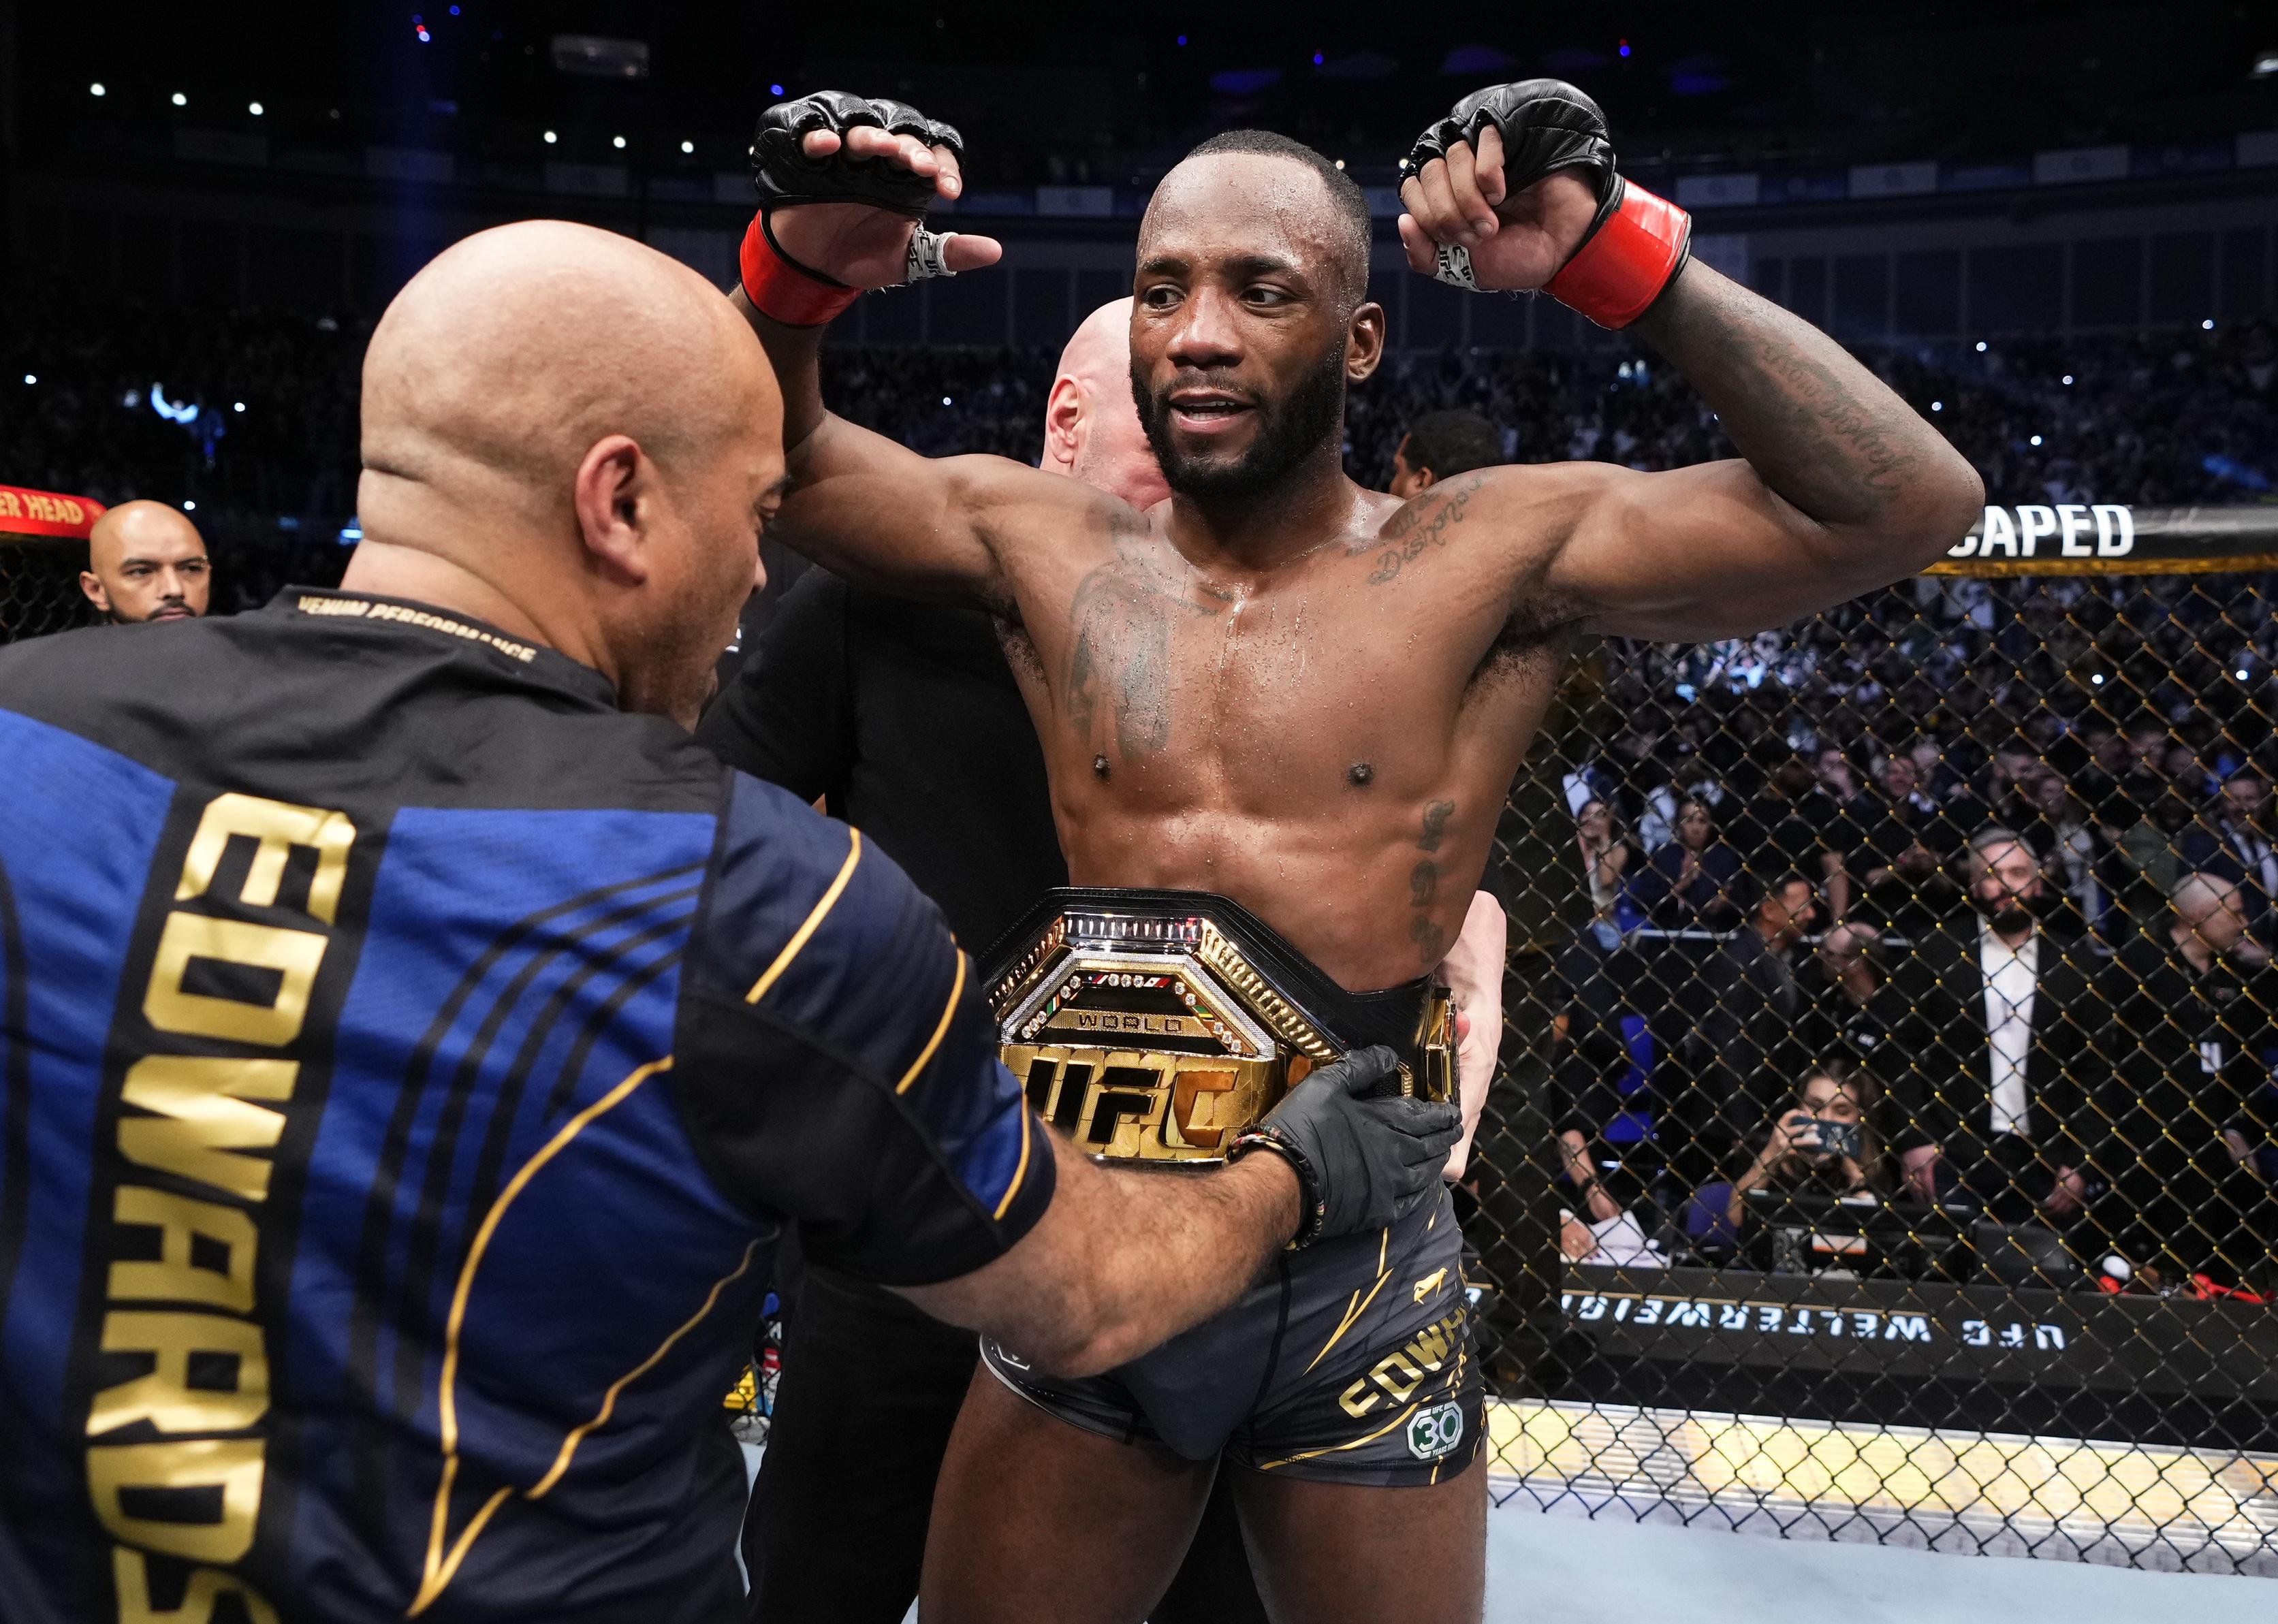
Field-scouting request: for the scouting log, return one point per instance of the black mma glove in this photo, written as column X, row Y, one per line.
column 1363, row 1157
column 783, row 174
column 779, row 286
column 1637, row 243
column 1546, row 124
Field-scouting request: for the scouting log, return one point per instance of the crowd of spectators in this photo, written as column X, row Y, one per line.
column 1907, row 1000
column 260, row 407
column 1954, row 901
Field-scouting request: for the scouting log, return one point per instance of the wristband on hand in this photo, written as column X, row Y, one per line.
column 781, row 289
column 1312, row 1210
column 1634, row 250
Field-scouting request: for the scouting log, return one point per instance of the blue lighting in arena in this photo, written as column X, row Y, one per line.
column 352, row 532
column 183, row 411
column 1316, row 58
column 2207, row 325
column 419, row 27
column 1624, row 48
column 1245, row 81
column 775, row 89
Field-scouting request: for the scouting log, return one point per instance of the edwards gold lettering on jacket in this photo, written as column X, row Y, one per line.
column 183, row 1303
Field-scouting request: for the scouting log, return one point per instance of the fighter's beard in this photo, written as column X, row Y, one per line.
column 1289, row 432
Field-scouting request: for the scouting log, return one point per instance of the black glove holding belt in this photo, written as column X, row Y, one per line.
column 1363, row 1158
column 784, row 176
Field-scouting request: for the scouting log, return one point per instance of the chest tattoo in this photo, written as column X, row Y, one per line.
column 1121, row 622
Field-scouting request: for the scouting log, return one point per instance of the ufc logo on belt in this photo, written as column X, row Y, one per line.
column 1150, row 1105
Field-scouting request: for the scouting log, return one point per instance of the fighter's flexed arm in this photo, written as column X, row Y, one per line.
column 1844, row 488
column 845, row 183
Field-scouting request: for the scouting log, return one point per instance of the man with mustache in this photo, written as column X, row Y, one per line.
column 146, row 561
column 1286, row 710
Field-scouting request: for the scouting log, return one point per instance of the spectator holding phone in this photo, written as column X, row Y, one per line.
column 1823, row 1144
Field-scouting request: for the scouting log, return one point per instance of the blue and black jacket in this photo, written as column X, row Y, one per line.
column 409, row 1062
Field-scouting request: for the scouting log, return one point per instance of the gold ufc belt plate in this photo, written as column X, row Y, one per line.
column 1155, row 1025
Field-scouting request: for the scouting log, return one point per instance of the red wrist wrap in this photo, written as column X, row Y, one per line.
column 1619, row 272
column 785, row 292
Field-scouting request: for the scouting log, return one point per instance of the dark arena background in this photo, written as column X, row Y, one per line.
column 2050, row 227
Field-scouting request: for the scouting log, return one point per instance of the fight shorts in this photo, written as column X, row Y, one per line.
column 1151, row 1027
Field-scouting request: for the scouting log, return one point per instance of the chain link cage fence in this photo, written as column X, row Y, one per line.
column 1887, row 1147
column 39, row 586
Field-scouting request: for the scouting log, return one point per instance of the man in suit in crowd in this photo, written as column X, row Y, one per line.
column 2002, row 1121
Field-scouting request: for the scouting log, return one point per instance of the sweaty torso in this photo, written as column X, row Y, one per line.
column 1328, row 742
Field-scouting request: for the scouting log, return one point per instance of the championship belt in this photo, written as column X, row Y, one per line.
column 1155, row 1025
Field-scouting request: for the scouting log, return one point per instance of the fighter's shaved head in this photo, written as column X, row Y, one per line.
column 581, row 434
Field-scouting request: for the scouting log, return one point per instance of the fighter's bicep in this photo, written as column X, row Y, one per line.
column 1694, row 552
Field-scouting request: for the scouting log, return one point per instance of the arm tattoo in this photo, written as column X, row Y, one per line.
column 1409, row 533
column 1819, row 429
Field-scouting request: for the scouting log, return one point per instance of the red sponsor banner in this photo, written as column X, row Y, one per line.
column 43, row 513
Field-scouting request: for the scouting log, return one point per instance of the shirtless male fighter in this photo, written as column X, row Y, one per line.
column 1310, row 699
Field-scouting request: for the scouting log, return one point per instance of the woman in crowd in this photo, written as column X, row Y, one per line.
column 1825, row 1144
column 1693, row 881
column 1608, row 856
